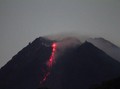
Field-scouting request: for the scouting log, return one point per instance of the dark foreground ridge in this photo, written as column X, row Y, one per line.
column 82, row 67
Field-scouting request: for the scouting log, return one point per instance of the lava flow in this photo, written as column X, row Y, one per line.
column 50, row 62
column 52, row 57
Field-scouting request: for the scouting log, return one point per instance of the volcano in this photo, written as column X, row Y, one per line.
column 79, row 67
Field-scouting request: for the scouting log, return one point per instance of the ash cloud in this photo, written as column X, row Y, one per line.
column 68, row 42
column 64, row 43
column 64, row 35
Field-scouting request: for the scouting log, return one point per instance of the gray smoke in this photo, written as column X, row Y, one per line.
column 71, row 40
column 64, row 42
column 61, row 36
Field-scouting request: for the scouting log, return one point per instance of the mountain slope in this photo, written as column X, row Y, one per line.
column 107, row 47
column 79, row 67
column 24, row 70
column 82, row 67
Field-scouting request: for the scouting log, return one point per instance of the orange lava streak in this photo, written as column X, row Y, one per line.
column 50, row 62
column 45, row 77
column 52, row 57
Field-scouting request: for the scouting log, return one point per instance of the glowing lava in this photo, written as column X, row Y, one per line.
column 50, row 62
column 52, row 57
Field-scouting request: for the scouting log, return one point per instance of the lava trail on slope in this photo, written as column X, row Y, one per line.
column 50, row 63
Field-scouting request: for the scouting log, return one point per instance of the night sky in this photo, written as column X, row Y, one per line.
column 21, row 21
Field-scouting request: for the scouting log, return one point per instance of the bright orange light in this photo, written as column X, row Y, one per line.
column 54, row 45
column 52, row 57
column 50, row 62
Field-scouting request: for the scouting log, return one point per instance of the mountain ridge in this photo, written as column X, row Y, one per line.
column 77, row 68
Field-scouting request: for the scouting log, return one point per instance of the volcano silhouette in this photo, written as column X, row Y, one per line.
column 78, row 68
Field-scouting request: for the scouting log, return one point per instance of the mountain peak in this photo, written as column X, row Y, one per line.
column 79, row 67
column 107, row 46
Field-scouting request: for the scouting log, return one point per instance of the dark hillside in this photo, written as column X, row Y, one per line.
column 82, row 67
column 24, row 70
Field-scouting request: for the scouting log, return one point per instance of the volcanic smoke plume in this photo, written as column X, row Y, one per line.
column 58, row 48
column 65, row 44
column 58, row 64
